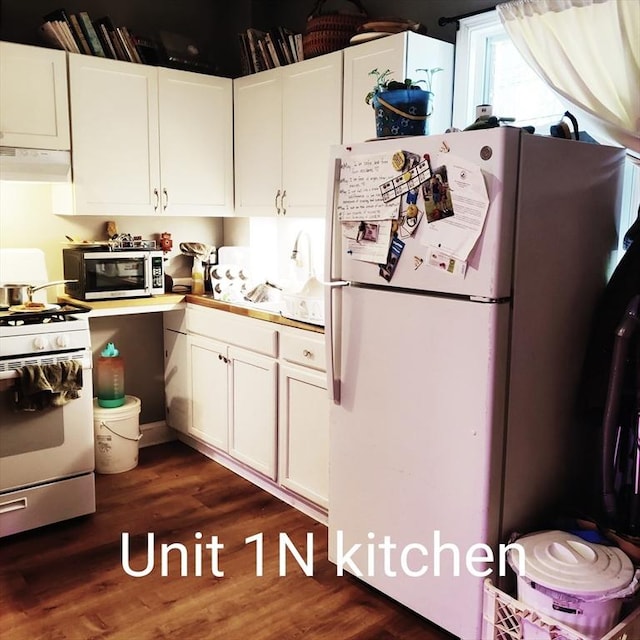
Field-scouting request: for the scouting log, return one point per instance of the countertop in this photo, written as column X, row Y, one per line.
column 99, row 308
column 171, row 301
column 252, row 312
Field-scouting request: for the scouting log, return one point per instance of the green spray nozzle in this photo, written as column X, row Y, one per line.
column 110, row 351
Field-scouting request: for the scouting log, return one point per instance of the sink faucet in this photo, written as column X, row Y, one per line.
column 294, row 253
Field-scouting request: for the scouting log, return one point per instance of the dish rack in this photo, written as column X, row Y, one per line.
column 505, row 618
column 303, row 308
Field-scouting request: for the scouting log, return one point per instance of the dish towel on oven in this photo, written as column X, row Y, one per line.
column 40, row 386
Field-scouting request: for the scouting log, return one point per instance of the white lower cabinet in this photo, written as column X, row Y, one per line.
column 253, row 420
column 303, row 433
column 234, row 386
column 210, row 391
column 258, row 394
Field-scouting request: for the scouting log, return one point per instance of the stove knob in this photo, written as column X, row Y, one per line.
column 62, row 341
column 39, row 343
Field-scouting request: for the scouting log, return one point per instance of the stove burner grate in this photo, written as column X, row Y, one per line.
column 64, row 313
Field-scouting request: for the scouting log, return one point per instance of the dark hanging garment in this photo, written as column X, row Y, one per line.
column 607, row 457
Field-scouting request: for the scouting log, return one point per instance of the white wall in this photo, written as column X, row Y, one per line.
column 27, row 220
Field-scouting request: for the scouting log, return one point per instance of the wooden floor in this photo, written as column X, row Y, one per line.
column 69, row 581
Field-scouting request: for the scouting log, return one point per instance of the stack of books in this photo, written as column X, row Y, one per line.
column 77, row 33
column 261, row 50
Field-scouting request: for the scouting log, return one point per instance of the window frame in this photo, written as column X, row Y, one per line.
column 469, row 67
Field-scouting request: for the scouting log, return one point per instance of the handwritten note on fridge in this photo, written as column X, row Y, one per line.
column 359, row 196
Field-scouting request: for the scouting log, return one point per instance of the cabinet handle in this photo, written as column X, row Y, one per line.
column 223, row 358
column 307, row 354
column 284, row 209
column 276, row 203
column 166, row 199
column 157, row 195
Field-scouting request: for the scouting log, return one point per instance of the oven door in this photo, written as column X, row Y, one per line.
column 37, row 447
column 116, row 275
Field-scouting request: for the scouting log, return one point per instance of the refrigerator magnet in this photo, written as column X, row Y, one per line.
column 395, row 251
column 446, row 262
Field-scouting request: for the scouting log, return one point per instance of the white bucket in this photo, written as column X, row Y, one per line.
column 117, row 436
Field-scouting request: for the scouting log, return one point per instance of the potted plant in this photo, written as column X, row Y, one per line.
column 401, row 108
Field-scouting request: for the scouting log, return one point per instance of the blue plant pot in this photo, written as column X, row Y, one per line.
column 402, row 112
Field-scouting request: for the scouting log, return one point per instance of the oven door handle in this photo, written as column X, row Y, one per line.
column 13, row 505
column 11, row 374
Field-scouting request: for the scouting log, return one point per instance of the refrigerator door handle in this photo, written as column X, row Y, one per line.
column 331, row 331
column 333, row 379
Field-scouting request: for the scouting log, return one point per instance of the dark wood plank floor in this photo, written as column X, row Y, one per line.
column 67, row 581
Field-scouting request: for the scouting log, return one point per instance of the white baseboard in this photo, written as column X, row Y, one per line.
column 308, row 508
column 156, row 433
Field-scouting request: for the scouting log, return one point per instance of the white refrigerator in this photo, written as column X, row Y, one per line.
column 453, row 382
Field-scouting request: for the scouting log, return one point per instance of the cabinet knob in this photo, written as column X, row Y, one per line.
column 307, row 354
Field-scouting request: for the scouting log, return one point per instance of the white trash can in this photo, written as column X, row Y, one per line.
column 117, row 436
column 579, row 583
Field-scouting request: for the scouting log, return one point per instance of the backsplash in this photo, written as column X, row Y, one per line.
column 272, row 240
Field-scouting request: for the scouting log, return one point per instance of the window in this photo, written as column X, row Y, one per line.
column 489, row 70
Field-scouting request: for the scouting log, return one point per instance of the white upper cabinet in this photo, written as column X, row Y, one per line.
column 402, row 54
column 149, row 140
column 285, row 121
column 196, row 143
column 34, row 106
column 114, row 124
column 257, row 104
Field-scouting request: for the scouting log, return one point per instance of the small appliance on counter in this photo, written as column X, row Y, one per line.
column 107, row 273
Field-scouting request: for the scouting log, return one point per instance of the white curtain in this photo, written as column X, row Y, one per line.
column 588, row 51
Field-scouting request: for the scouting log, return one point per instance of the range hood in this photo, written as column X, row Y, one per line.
column 35, row 165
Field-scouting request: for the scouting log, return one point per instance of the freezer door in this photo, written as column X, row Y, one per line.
column 493, row 152
column 416, row 447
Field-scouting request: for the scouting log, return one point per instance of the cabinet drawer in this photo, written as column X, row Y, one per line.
column 233, row 329
column 303, row 348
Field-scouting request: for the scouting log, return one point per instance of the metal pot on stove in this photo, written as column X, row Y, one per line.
column 12, row 295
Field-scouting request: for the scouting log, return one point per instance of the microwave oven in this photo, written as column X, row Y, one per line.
column 109, row 275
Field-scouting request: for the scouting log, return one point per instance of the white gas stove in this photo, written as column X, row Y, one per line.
column 46, row 455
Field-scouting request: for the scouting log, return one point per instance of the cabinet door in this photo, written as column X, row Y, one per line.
column 209, row 391
column 311, row 123
column 303, row 434
column 258, row 143
column 196, row 143
column 34, row 105
column 254, row 406
column 176, row 380
column 385, row 53
column 114, row 124
column 402, row 54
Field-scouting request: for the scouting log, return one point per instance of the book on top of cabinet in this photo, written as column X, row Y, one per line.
column 261, row 50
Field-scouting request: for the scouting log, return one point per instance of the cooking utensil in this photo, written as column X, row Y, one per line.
column 13, row 295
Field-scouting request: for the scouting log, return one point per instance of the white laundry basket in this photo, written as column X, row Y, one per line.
column 117, row 436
